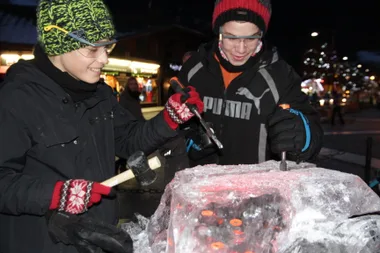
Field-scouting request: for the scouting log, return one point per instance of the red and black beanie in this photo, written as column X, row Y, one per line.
column 254, row 11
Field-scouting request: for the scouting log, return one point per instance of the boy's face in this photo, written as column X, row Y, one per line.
column 84, row 64
column 239, row 50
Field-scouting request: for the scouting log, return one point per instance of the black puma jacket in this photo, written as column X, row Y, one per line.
column 240, row 112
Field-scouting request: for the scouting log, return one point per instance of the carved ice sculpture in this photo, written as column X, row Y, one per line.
column 257, row 208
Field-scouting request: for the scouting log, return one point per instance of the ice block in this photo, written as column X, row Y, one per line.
column 257, row 208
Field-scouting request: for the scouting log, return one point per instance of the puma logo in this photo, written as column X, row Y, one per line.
column 256, row 100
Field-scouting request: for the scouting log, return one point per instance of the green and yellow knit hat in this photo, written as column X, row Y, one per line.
column 88, row 19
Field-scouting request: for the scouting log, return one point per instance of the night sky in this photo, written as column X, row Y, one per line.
column 352, row 25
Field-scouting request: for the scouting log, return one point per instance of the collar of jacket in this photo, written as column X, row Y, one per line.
column 78, row 90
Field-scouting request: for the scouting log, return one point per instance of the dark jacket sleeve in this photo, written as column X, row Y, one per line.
column 132, row 135
column 19, row 192
column 291, row 94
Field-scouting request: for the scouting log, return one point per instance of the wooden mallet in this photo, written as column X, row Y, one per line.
column 140, row 168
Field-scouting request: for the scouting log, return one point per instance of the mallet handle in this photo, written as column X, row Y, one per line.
column 154, row 163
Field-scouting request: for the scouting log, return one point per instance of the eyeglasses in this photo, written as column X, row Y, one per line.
column 233, row 40
column 92, row 50
column 96, row 51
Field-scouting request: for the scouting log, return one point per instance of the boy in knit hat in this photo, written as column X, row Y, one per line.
column 243, row 82
column 60, row 130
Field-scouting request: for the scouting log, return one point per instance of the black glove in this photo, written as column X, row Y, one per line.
column 198, row 144
column 288, row 130
column 86, row 234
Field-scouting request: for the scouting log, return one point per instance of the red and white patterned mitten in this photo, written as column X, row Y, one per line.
column 176, row 110
column 75, row 196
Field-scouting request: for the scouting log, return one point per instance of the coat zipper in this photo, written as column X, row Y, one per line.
column 223, row 112
column 224, row 104
column 225, row 99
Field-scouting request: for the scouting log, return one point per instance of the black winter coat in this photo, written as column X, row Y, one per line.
column 45, row 137
column 239, row 113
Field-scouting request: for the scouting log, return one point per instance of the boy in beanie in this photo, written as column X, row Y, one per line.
column 244, row 85
column 60, row 130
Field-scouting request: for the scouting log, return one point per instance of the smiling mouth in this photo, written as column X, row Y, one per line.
column 238, row 57
column 96, row 70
